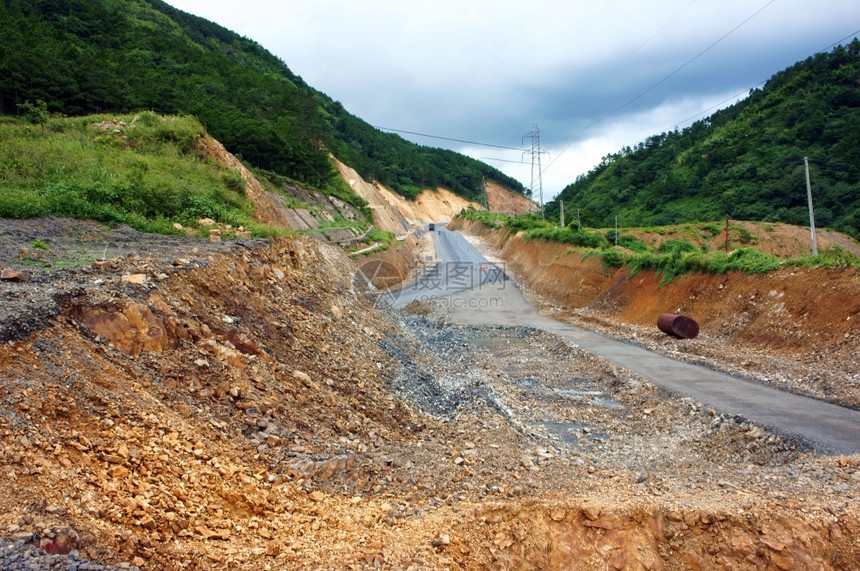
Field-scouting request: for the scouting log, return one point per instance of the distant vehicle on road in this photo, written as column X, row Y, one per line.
column 432, row 227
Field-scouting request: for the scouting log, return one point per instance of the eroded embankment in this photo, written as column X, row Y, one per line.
column 247, row 407
column 795, row 327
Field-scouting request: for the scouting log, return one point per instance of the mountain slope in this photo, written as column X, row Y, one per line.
column 746, row 161
column 85, row 56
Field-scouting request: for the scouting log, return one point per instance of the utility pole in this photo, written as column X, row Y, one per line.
column 561, row 203
column 534, row 135
column 811, row 214
column 616, row 229
column 484, row 196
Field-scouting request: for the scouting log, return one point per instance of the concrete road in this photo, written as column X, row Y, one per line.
column 476, row 292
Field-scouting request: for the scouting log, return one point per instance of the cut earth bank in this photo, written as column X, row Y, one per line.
column 795, row 328
column 244, row 405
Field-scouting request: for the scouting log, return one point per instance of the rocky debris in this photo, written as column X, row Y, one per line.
column 252, row 409
column 10, row 275
column 25, row 553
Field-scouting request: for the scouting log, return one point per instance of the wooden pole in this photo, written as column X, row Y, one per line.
column 811, row 214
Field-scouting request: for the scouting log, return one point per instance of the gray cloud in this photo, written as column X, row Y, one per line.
column 487, row 70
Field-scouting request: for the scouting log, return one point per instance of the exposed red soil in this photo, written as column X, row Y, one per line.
column 500, row 199
column 794, row 327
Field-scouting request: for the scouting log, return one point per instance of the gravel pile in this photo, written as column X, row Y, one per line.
column 22, row 555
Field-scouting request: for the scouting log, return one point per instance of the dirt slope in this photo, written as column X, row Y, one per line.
column 394, row 213
column 503, row 200
column 265, row 210
column 243, row 405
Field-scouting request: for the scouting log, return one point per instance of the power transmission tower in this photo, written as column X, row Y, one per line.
column 534, row 135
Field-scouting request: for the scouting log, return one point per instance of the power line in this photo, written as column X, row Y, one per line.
column 519, row 162
column 724, row 101
column 759, row 84
column 635, row 50
column 448, row 138
column 831, row 46
column 642, row 94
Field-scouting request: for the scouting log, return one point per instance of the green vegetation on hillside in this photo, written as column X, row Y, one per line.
column 145, row 171
column 123, row 56
column 673, row 257
column 746, row 161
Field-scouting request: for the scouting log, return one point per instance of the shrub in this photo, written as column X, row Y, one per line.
column 528, row 221
column 610, row 258
column 490, row 219
column 18, row 203
column 581, row 238
column 675, row 246
column 712, row 229
column 632, row 243
column 746, row 236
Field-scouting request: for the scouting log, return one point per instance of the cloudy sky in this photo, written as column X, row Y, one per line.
column 593, row 76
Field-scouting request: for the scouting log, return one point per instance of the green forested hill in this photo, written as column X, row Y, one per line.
column 119, row 56
column 746, row 161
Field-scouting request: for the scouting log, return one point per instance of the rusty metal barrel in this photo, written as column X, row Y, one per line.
column 678, row 326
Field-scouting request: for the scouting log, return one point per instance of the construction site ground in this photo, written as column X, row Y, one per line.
column 248, row 405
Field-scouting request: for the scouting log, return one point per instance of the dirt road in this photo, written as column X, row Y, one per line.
column 475, row 292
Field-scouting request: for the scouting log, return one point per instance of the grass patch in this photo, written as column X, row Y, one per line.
column 832, row 257
column 711, row 229
column 495, row 220
column 528, row 221
column 143, row 170
column 377, row 235
column 670, row 265
column 612, row 259
column 582, row 238
column 674, row 257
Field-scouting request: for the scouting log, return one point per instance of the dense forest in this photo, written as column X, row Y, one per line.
column 120, row 56
column 744, row 162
